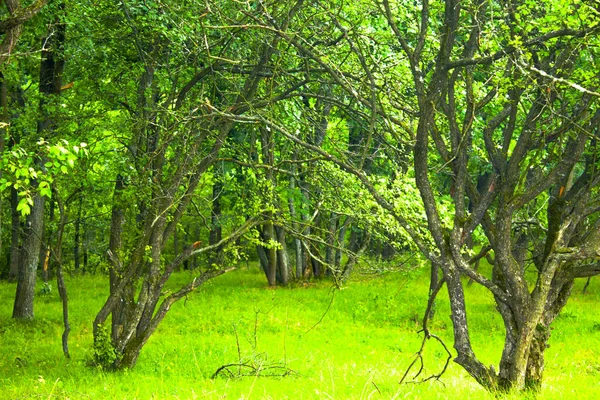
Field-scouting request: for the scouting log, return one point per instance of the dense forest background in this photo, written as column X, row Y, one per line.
column 142, row 139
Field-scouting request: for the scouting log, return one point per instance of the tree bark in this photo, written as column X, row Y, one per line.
column 51, row 68
column 216, row 231
column 283, row 263
column 4, row 119
column 23, row 305
column 15, row 235
column 295, row 225
column 116, row 274
column 271, row 252
column 77, row 236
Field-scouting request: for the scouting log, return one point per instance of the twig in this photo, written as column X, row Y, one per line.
column 335, row 289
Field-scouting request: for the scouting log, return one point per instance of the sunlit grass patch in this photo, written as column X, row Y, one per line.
column 353, row 343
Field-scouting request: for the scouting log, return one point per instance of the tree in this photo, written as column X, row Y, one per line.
column 51, row 68
column 500, row 91
column 12, row 25
column 178, row 116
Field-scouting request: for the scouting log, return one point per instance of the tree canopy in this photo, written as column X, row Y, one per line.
column 304, row 135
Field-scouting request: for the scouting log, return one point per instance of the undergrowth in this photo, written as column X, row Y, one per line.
column 321, row 343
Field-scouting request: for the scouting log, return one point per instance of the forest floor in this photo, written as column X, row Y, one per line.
column 305, row 341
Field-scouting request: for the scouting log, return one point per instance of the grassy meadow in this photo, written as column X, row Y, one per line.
column 353, row 343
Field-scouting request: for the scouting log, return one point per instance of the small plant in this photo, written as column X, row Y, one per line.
column 104, row 352
column 46, row 289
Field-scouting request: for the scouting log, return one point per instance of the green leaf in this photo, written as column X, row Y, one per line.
column 23, row 207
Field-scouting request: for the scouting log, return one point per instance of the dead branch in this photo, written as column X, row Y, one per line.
column 426, row 336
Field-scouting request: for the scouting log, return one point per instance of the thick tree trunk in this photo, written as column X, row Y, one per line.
column 535, row 363
column 23, row 306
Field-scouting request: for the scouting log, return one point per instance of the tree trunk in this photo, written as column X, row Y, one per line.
column 77, row 238
column 331, row 239
column 23, row 306
column 434, row 280
column 535, row 362
column 15, row 235
column 51, row 68
column 282, row 257
column 4, row 118
column 262, row 258
column 337, row 262
column 295, row 225
column 357, row 245
column 268, row 236
column 126, row 297
column 216, row 231
column 60, row 281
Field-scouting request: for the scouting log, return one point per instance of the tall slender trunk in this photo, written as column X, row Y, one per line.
column 126, row 297
column 77, row 236
column 337, row 261
column 357, row 246
column 331, row 239
column 51, row 68
column 4, row 119
column 295, row 225
column 15, row 235
column 434, row 279
column 283, row 263
column 271, row 252
column 216, row 231
column 23, row 305
column 60, row 281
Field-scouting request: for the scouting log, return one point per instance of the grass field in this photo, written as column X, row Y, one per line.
column 353, row 343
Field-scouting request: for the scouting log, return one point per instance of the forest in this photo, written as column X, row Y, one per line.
column 299, row 199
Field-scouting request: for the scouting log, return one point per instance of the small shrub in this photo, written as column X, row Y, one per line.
column 104, row 352
column 46, row 289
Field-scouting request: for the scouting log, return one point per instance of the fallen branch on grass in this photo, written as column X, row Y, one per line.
column 238, row 370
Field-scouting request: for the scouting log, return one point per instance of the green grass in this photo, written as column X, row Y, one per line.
column 359, row 350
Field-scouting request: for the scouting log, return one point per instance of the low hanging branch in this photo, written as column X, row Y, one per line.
column 426, row 336
column 189, row 252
